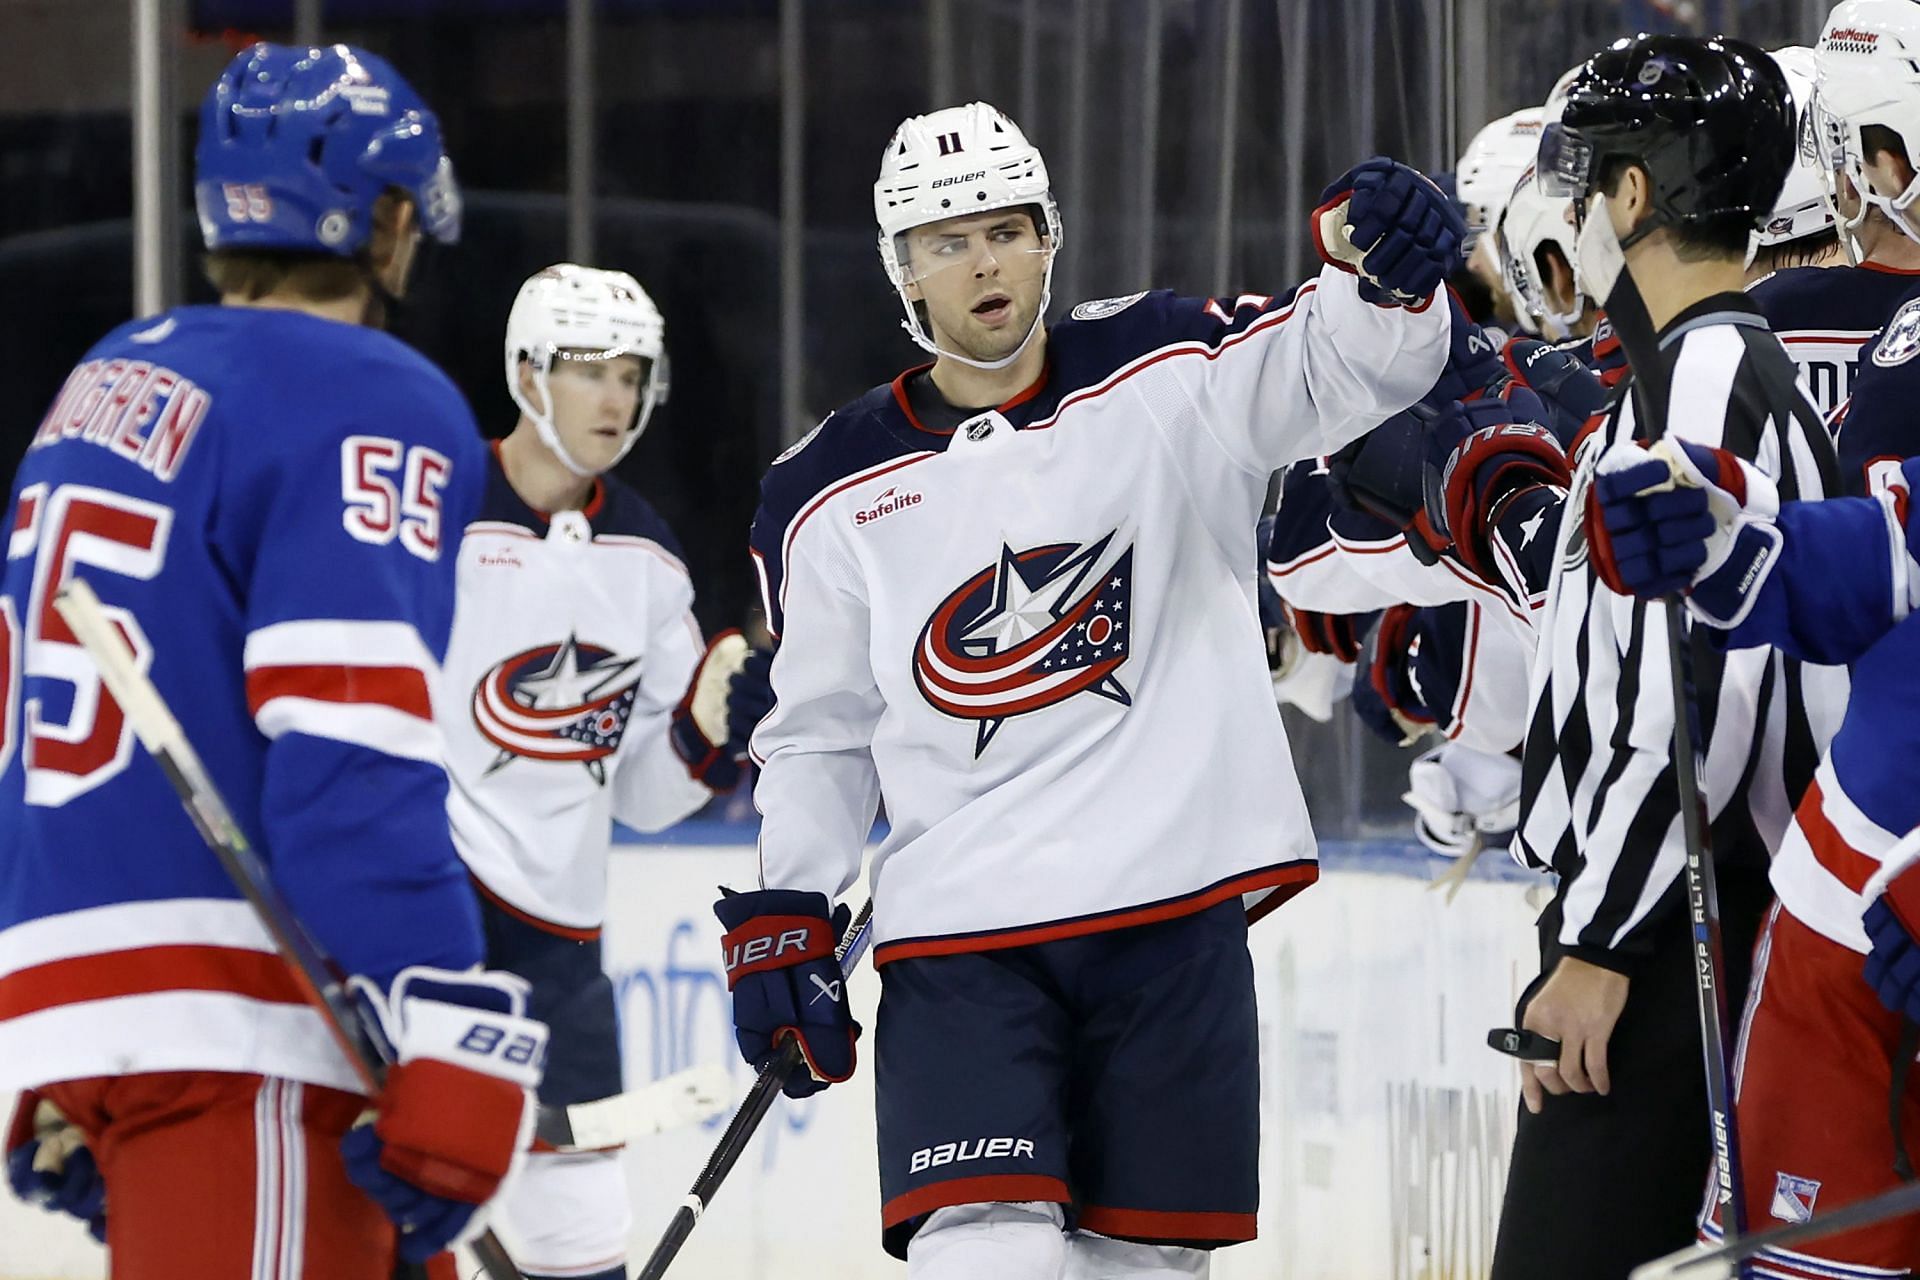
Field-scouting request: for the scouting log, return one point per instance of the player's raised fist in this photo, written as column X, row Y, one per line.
column 1392, row 226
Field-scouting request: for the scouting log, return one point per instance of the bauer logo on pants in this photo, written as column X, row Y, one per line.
column 971, row 1149
column 1793, row 1197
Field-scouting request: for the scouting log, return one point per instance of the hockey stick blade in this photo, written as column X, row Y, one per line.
column 160, row 733
column 693, row 1096
column 759, row 1101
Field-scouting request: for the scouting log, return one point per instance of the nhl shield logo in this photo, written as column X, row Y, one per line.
column 1793, row 1197
column 1028, row 633
column 567, row 701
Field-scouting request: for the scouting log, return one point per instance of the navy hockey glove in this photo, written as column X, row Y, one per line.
column 1337, row 634
column 456, row 1111
column 1683, row 517
column 1383, row 472
column 1387, row 699
column 1491, row 462
column 49, row 1164
column 785, row 982
column 1473, row 361
column 729, row 694
column 1894, row 941
column 1570, row 392
column 1893, row 957
column 1391, row 226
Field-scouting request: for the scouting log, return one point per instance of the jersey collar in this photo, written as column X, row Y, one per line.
column 508, row 497
column 905, row 401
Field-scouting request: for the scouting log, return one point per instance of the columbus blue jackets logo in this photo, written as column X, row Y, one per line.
column 1028, row 633
column 567, row 701
column 1900, row 342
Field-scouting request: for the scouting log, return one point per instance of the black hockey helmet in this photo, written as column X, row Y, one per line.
column 1710, row 120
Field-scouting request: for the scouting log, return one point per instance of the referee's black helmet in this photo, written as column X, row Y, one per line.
column 1711, row 121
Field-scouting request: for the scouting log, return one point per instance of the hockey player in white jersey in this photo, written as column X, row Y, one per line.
column 1014, row 598
column 578, row 690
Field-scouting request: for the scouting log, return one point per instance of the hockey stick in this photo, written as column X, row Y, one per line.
column 160, row 733
column 1626, row 310
column 1722, row 1261
column 752, row 1111
column 693, row 1096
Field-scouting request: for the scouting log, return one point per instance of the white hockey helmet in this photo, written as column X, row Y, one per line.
column 1532, row 220
column 1866, row 72
column 948, row 164
column 1556, row 104
column 1484, row 178
column 570, row 312
column 1801, row 209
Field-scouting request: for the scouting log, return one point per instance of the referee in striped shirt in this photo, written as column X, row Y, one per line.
column 1681, row 146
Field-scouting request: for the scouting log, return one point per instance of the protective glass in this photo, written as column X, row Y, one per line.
column 655, row 376
column 1565, row 165
column 1522, row 278
column 1823, row 136
column 957, row 247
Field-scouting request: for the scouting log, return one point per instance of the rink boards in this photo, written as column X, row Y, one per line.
column 1386, row 1119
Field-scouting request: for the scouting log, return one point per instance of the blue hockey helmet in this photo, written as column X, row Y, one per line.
column 296, row 145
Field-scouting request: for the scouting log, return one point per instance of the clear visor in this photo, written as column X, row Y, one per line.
column 1823, row 137
column 622, row 370
column 1009, row 247
column 1519, row 274
column 1565, row 165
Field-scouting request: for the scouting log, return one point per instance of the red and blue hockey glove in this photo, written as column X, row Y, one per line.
column 457, row 1109
column 49, row 1164
column 1490, row 462
column 1386, row 698
column 1391, row 226
column 1335, row 634
column 1677, row 516
column 1893, row 957
column 729, row 694
column 785, row 982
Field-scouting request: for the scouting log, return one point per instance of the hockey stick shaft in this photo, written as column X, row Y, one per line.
column 1626, row 310
column 1709, row 956
column 160, row 733
column 759, row 1100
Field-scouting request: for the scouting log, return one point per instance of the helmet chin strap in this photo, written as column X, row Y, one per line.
column 926, row 343
column 543, row 425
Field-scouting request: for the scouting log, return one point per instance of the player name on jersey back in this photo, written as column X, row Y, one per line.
column 143, row 411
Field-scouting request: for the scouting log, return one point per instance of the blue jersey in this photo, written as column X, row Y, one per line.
column 269, row 504
column 1824, row 317
column 1844, row 589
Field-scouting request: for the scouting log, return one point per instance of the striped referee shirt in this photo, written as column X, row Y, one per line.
column 1599, row 800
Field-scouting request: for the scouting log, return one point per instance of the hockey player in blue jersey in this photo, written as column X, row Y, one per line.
column 1013, row 598
column 577, row 689
column 268, row 496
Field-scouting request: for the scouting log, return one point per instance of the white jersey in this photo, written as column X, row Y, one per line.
column 572, row 644
column 1034, row 632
